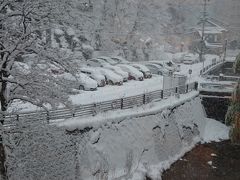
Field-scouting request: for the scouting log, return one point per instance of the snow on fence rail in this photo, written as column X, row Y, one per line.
column 94, row 108
column 211, row 66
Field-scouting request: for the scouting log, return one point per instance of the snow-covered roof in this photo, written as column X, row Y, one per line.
column 210, row 28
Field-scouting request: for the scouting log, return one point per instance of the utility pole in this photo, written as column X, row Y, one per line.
column 203, row 20
column 225, row 50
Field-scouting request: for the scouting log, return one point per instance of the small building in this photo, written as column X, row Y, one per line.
column 214, row 36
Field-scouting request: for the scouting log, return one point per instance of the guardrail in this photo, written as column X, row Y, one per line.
column 95, row 108
column 223, row 78
column 207, row 68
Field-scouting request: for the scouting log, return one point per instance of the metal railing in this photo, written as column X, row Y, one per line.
column 211, row 66
column 95, row 108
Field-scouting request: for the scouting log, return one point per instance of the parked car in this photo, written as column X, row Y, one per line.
column 146, row 72
column 120, row 60
column 190, row 58
column 118, row 71
column 111, row 77
column 134, row 73
column 108, row 60
column 96, row 62
column 178, row 57
column 81, row 81
column 171, row 66
column 157, row 69
column 94, row 74
column 164, row 64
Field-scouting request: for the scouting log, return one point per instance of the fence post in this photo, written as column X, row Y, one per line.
column 161, row 94
column 2, row 117
column 144, row 98
column 48, row 118
column 196, row 86
column 187, row 89
column 122, row 103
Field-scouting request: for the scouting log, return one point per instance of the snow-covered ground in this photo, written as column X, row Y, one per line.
column 130, row 88
column 214, row 131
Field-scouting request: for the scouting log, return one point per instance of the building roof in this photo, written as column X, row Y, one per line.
column 210, row 28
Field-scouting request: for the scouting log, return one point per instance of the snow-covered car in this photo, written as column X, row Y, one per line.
column 118, row 71
column 133, row 73
column 178, row 57
column 108, row 60
column 94, row 74
column 80, row 81
column 96, row 62
column 171, row 66
column 146, row 72
column 190, row 58
column 111, row 77
column 157, row 69
column 164, row 64
column 120, row 60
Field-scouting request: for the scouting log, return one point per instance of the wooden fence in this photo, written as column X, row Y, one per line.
column 95, row 108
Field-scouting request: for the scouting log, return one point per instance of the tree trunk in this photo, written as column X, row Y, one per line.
column 3, row 98
column 3, row 170
column 4, row 104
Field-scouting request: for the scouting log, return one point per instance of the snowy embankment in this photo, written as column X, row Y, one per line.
column 133, row 144
column 119, row 145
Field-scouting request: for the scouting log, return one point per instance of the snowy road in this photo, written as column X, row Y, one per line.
column 196, row 68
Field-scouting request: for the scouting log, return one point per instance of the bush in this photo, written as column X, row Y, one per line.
column 237, row 64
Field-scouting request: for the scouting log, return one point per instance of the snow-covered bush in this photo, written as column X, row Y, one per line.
column 38, row 151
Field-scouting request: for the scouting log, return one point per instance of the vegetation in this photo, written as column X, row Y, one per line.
column 237, row 64
column 233, row 115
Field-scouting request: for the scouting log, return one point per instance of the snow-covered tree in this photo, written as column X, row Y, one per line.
column 21, row 25
column 40, row 151
column 25, row 59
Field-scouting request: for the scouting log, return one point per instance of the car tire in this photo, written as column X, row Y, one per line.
column 81, row 87
column 110, row 82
